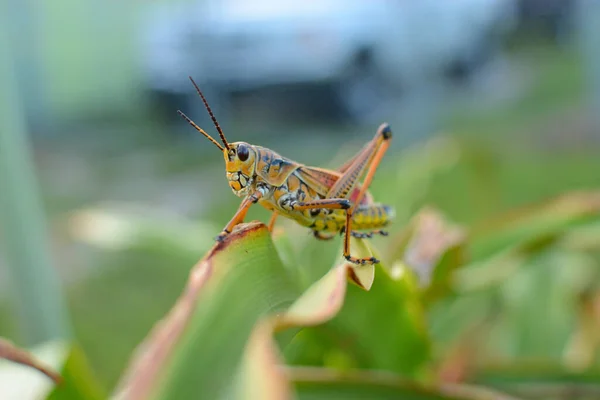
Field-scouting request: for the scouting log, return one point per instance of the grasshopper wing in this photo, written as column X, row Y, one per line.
column 321, row 180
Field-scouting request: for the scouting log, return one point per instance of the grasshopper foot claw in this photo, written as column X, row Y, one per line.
column 222, row 236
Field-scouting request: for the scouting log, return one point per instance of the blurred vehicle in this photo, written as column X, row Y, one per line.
column 363, row 49
column 552, row 17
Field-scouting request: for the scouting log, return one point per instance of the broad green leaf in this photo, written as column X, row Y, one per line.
column 386, row 325
column 383, row 328
column 199, row 345
column 74, row 377
column 317, row 383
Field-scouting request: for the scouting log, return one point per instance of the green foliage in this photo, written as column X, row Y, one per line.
column 447, row 304
column 211, row 339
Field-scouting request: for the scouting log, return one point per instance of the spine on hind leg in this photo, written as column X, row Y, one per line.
column 372, row 217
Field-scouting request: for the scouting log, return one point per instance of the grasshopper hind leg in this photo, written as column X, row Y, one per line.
column 367, row 161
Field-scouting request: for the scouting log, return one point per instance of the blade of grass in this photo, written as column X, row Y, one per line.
column 36, row 288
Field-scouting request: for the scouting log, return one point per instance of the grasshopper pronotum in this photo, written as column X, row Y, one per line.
column 326, row 201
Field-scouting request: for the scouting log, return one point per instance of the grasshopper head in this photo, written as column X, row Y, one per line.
column 239, row 156
column 239, row 163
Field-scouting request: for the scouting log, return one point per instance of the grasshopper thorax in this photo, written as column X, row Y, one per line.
column 240, row 161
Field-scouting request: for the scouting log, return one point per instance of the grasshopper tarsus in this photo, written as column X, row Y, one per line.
column 368, row 235
column 222, row 236
column 361, row 261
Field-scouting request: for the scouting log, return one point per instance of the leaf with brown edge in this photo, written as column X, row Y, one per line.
column 59, row 361
column 199, row 345
column 15, row 354
column 261, row 375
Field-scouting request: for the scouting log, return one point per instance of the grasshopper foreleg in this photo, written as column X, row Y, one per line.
column 239, row 216
column 272, row 221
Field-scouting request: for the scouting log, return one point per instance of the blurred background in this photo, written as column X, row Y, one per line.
column 108, row 197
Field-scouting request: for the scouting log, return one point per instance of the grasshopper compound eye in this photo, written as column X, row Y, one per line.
column 242, row 152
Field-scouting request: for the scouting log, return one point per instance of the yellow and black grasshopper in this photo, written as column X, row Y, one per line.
column 326, row 201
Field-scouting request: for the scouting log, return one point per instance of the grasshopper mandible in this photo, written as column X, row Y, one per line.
column 328, row 202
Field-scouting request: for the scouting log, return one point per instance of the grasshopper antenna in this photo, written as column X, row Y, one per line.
column 192, row 123
column 212, row 116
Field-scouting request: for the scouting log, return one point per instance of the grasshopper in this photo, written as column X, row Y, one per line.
column 326, row 201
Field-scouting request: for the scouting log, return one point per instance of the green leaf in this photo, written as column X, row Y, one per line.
column 382, row 328
column 199, row 345
column 79, row 380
